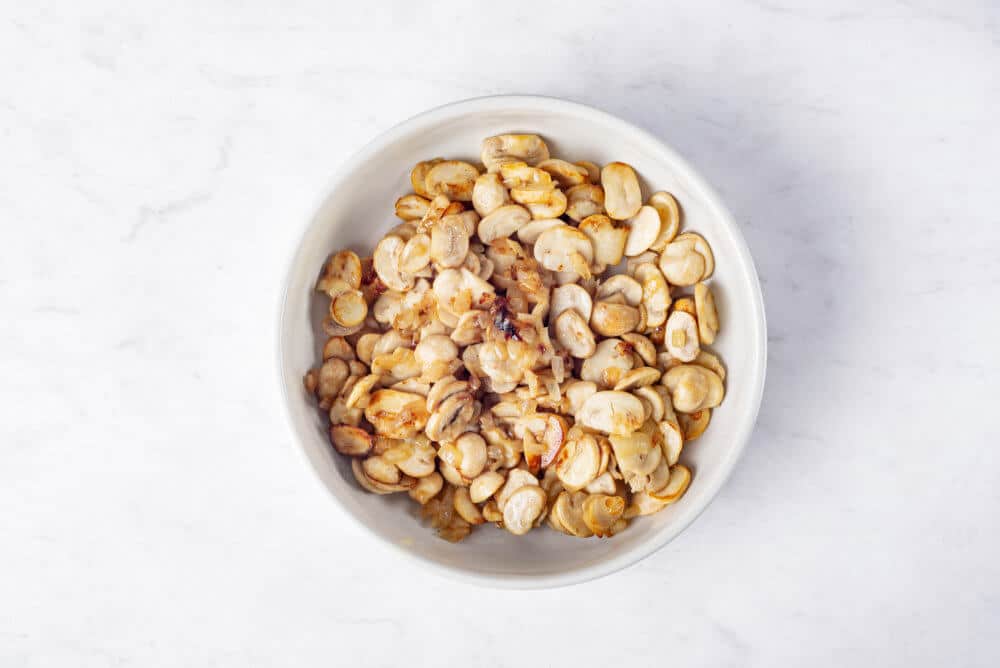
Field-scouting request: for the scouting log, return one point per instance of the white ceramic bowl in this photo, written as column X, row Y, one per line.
column 358, row 209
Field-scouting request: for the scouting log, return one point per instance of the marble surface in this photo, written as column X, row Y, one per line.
column 156, row 163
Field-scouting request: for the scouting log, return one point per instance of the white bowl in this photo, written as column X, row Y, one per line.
column 359, row 209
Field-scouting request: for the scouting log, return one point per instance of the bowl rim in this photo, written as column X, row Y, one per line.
column 697, row 184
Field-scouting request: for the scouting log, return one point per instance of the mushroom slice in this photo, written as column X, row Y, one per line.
column 489, row 194
column 330, row 379
column 602, row 484
column 637, row 455
column 607, row 238
column 702, row 248
column 666, row 361
column 427, row 488
column 643, row 504
column 435, row 349
column 693, row 425
column 439, row 207
column 522, row 509
column 502, row 222
column 344, row 267
column 358, row 396
column 516, row 479
column 412, row 207
column 501, row 149
column 400, row 364
column 609, row 319
column 349, row 308
column 681, row 338
column 381, row 471
column 553, row 206
column 351, row 441
column 530, row 231
column 584, row 200
column 610, row 361
column 397, row 414
column 642, row 346
column 371, row 485
column 579, row 461
column 505, row 254
column 708, row 317
column 491, row 513
column 449, row 241
column 672, row 440
column 601, row 512
column 565, row 248
column 622, row 196
column 481, row 291
column 337, row 346
column 466, row 509
column 575, row 393
column 458, row 290
column 332, row 328
column 680, row 478
column 420, row 460
column 471, row 220
column 693, row 388
column 470, row 328
column 655, row 293
column 552, row 486
column 416, row 254
column 593, row 170
column 570, row 297
column 471, row 361
column 611, row 412
column 452, row 417
column 642, row 258
column 388, row 343
column 530, row 181
column 643, row 229
column 649, row 395
column 387, row 307
column 568, row 514
column 670, row 218
column 485, row 267
column 485, row 485
column 418, row 177
column 711, row 362
column 660, row 475
column 574, row 334
column 621, row 284
column 452, row 178
column 472, row 455
column 451, row 474
column 387, row 259
column 552, row 521
column 687, row 259
column 533, row 193
column 565, row 173
column 639, row 377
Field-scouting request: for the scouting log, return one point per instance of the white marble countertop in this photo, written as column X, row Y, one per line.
column 156, row 165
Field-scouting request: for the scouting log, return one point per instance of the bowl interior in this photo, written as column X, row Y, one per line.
column 359, row 210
